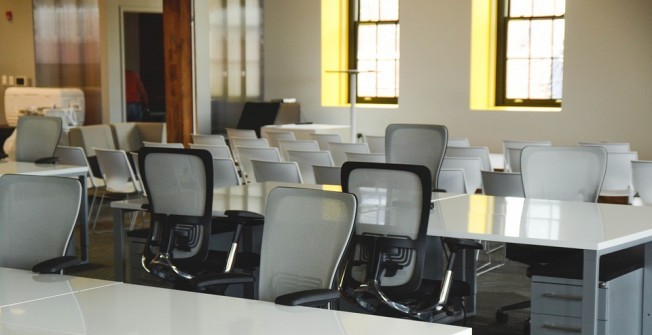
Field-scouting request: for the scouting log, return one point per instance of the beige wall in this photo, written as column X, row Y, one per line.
column 607, row 83
column 16, row 43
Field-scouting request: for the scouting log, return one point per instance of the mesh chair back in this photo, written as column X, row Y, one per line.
column 563, row 173
column 392, row 219
column 276, row 171
column 305, row 234
column 306, row 160
column 179, row 187
column 502, row 184
column 37, row 217
column 36, row 137
column 208, row 139
column 417, row 144
column 217, row 151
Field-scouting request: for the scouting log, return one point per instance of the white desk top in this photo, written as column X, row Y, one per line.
column 40, row 169
column 132, row 309
column 27, row 286
column 588, row 226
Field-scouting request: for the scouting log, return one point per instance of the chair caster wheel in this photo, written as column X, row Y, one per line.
column 501, row 317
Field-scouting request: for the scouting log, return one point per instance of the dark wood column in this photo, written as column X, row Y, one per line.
column 177, row 46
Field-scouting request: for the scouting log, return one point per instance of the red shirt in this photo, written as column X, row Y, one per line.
column 134, row 89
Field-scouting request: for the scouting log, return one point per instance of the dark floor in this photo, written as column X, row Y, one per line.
column 505, row 285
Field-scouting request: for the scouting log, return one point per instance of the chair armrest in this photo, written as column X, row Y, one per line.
column 246, row 217
column 221, row 279
column 55, row 265
column 456, row 244
column 316, row 297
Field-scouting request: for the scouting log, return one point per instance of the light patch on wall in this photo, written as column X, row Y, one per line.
column 334, row 52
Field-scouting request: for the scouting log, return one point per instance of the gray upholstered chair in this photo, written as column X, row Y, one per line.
column 37, row 137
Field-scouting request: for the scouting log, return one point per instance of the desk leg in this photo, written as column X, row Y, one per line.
column 590, row 292
column 118, row 244
column 647, row 291
column 83, row 216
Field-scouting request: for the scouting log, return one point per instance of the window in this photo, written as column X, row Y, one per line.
column 374, row 49
column 530, row 53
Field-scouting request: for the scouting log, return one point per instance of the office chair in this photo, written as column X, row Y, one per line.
column 36, row 138
column 642, row 180
column 555, row 173
column 305, row 235
column 327, row 175
column 212, row 139
column 287, row 172
column 37, row 218
column 179, row 187
column 385, row 272
column 418, row 144
column 306, row 160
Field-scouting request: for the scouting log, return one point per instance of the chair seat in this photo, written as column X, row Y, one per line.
column 127, row 188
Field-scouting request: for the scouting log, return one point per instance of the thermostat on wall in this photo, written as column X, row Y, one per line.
column 21, row 81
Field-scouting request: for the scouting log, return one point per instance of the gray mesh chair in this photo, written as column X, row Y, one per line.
column 316, row 223
column 36, row 138
column 179, row 185
column 387, row 266
column 418, row 144
column 37, row 218
column 276, row 171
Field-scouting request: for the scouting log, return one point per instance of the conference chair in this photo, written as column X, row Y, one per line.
column 305, row 145
column 232, row 133
column 327, row 175
column 519, row 144
column 618, row 177
column 453, row 180
column 246, row 154
column 225, row 173
column 365, row 157
column 609, row 146
column 212, row 139
column 514, row 159
column 274, row 136
column 162, row 145
column 36, row 138
column 339, row 150
column 480, row 152
column 235, row 143
column 387, row 263
column 376, row 143
column 555, row 173
column 472, row 167
column 37, row 219
column 642, row 180
column 417, row 144
column 276, row 171
column 324, row 140
column 119, row 178
column 306, row 159
column 458, row 142
column 76, row 156
column 179, row 187
column 305, row 234
column 217, row 151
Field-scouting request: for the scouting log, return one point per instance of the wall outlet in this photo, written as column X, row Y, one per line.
column 10, row 81
column 4, row 79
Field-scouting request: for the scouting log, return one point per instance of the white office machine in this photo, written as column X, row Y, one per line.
column 67, row 103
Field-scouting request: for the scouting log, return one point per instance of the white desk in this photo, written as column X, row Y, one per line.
column 598, row 229
column 303, row 131
column 132, row 309
column 59, row 170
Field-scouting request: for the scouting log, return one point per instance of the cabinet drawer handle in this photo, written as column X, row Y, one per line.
column 562, row 328
column 562, row 296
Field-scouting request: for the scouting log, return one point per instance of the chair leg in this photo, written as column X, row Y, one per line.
column 97, row 211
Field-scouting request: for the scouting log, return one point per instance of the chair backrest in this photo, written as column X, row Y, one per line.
column 225, row 174
column 339, row 150
column 236, row 142
column 179, row 187
column 306, row 159
column 232, row 133
column 305, row 235
column 642, row 180
column 136, row 169
column 94, row 136
column 327, row 175
column 459, row 142
column 480, row 152
column 472, row 167
column 305, row 145
column 246, row 154
column 365, row 157
column 502, row 184
column 453, row 180
column 393, row 213
column 217, row 151
column 563, row 173
column 74, row 156
column 514, row 159
column 417, row 144
column 36, row 137
column 618, row 177
column 116, row 171
column 37, row 218
column 213, row 139
column 163, row 145
column 274, row 136
column 519, row 144
column 609, row 146
column 276, row 171
column 324, row 140
column 376, row 143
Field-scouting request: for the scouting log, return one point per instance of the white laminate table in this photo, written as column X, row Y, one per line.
column 118, row 309
column 59, row 170
column 597, row 229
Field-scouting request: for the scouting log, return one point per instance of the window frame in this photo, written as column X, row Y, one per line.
column 501, row 99
column 354, row 23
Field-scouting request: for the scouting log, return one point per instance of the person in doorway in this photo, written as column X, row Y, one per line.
column 136, row 96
